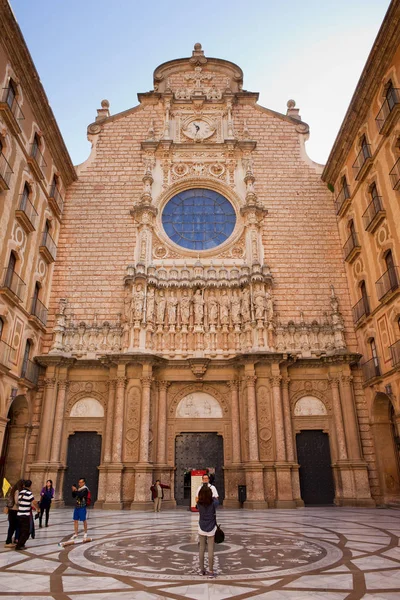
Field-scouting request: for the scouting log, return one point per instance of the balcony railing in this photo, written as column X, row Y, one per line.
column 341, row 199
column 30, row 371
column 5, row 351
column 39, row 311
column 389, row 282
column 374, row 214
column 26, row 214
column 395, row 352
column 371, row 369
column 13, row 283
column 387, row 109
column 361, row 161
column 360, row 310
column 56, row 200
column 5, row 173
column 395, row 175
column 36, row 161
column 48, row 247
column 11, row 102
column 351, row 247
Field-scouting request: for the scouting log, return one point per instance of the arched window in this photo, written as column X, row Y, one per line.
column 1, row 327
column 35, row 145
column 364, row 296
column 27, row 353
column 391, row 270
column 25, row 197
column 345, row 188
column 54, row 186
column 373, row 351
column 11, row 93
column 10, row 270
column 35, row 297
column 365, row 149
column 391, row 96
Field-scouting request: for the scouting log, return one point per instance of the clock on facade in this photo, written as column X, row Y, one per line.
column 198, row 129
column 198, row 219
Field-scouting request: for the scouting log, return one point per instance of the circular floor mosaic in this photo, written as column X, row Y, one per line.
column 170, row 554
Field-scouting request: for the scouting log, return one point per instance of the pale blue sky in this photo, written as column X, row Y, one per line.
column 312, row 51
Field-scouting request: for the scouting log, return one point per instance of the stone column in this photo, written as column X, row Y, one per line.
column 278, row 419
column 350, row 418
column 252, row 418
column 112, row 384
column 3, row 425
column 113, row 492
column 58, row 421
column 338, row 419
column 116, row 454
column 143, row 470
column 47, row 418
column 284, row 491
column 236, row 454
column 287, row 419
column 145, row 420
column 162, row 422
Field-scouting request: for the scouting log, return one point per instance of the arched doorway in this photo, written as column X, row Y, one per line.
column 386, row 446
column 13, row 455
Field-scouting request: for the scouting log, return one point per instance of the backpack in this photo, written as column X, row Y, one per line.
column 88, row 498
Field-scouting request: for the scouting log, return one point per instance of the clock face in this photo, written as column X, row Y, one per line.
column 198, row 129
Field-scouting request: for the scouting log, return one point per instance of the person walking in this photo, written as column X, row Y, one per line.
column 46, row 496
column 80, row 492
column 12, row 505
column 206, row 506
column 157, row 492
column 26, row 501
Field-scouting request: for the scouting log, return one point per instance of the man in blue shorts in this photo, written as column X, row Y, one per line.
column 81, row 494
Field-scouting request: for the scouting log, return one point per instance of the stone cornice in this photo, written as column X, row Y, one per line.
column 379, row 59
column 18, row 53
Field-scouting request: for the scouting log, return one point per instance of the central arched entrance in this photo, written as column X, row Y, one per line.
column 197, row 451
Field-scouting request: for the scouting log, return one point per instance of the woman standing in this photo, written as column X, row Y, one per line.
column 12, row 505
column 46, row 496
column 206, row 505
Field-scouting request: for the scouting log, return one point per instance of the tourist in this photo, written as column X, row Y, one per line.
column 206, row 506
column 46, row 496
column 206, row 480
column 157, row 492
column 80, row 492
column 26, row 502
column 12, row 505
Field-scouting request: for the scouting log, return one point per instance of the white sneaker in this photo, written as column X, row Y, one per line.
column 73, row 537
column 85, row 536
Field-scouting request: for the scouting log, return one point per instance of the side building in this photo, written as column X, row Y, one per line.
column 35, row 170
column 364, row 168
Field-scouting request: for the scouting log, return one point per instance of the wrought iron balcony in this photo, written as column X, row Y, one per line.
column 26, row 214
column 30, row 371
column 385, row 116
column 56, row 201
column 362, row 162
column 48, row 247
column 37, row 162
column 395, row 352
column 388, row 283
column 39, row 311
column 395, row 175
column 374, row 214
column 5, row 173
column 13, row 285
column 5, row 352
column 360, row 310
column 342, row 200
column 11, row 111
column 351, row 247
column 371, row 369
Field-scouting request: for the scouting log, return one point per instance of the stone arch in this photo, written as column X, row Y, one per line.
column 197, row 387
column 81, row 396
column 16, row 437
column 204, row 406
column 87, row 407
column 309, row 406
column 316, row 393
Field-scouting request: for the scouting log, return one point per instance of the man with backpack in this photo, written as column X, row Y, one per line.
column 83, row 499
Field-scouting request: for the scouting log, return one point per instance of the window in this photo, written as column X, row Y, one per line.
column 1, row 147
column 198, row 219
column 365, row 147
column 11, row 93
column 25, row 197
column 352, row 230
column 35, row 145
column 1, row 327
column 27, row 353
column 391, row 270
column 391, row 96
column 35, row 297
column 374, row 354
column 345, row 187
column 364, row 296
column 373, row 190
column 54, row 186
column 10, row 270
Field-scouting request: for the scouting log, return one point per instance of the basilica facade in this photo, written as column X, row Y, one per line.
column 199, row 314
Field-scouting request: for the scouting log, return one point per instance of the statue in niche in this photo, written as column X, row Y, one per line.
column 198, row 302
column 127, row 304
column 235, row 308
column 160, row 311
column 245, row 306
column 150, row 305
column 137, row 303
column 212, row 306
column 269, row 306
column 260, row 304
column 185, row 308
column 224, row 303
column 171, row 308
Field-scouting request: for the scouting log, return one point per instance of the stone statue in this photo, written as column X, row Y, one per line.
column 259, row 304
column 137, row 303
column 198, row 302
column 212, row 306
column 160, row 311
column 245, row 306
column 235, row 308
column 224, row 303
column 185, row 308
column 171, row 308
column 269, row 307
column 150, row 305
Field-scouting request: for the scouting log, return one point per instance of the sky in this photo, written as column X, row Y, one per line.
column 89, row 50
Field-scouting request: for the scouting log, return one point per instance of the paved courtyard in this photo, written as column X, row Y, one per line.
column 312, row 553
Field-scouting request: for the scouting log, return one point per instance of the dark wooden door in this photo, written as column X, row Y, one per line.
column 83, row 459
column 197, row 451
column 314, row 457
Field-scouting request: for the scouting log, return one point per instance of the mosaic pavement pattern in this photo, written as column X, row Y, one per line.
column 304, row 554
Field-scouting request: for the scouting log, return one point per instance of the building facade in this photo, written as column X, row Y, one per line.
column 364, row 168
column 35, row 169
column 199, row 313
